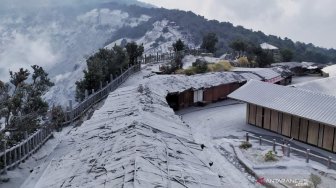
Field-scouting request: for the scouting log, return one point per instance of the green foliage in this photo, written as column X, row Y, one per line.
column 243, row 62
column 263, row 58
column 209, row 42
column 104, row 63
column 24, row 103
column 270, row 156
column 245, row 145
column 315, row 179
column 174, row 65
column 287, row 55
column 200, row 66
column 197, row 26
column 178, row 45
column 58, row 116
column 134, row 51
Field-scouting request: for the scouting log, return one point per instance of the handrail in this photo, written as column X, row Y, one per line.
column 10, row 158
column 289, row 149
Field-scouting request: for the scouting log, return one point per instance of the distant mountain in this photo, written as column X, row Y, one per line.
column 196, row 27
column 58, row 35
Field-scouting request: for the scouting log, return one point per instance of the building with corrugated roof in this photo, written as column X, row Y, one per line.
column 303, row 115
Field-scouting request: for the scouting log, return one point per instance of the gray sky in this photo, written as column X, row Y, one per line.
column 300, row 20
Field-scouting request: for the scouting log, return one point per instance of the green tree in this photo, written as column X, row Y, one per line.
column 239, row 46
column 24, row 102
column 287, row 55
column 178, row 45
column 134, row 51
column 104, row 63
column 263, row 58
column 209, row 42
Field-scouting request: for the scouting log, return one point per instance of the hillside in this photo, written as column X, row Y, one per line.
column 59, row 37
column 197, row 26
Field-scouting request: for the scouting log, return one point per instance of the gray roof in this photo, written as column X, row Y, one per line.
column 267, row 46
column 303, row 103
column 265, row 73
column 250, row 76
column 324, row 85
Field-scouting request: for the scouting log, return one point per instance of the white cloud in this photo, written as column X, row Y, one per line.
column 301, row 20
column 23, row 51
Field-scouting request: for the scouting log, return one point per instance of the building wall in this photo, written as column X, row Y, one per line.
column 301, row 129
column 186, row 98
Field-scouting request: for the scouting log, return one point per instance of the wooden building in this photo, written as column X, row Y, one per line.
column 303, row 115
column 266, row 74
column 201, row 96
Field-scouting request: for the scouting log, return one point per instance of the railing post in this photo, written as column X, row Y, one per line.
column 9, row 157
column 93, row 91
column 329, row 162
column 70, row 110
column 27, row 143
column 111, row 77
column 20, row 151
column 288, row 150
column 247, row 137
column 307, row 155
column 5, row 157
column 15, row 155
column 157, row 56
column 86, row 94
column 260, row 140
column 274, row 145
column 100, row 84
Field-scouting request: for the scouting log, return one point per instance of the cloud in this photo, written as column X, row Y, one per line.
column 24, row 51
column 309, row 21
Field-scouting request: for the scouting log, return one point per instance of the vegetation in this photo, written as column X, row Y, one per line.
column 105, row 62
column 201, row 66
column 245, row 145
column 315, row 179
column 178, row 45
column 270, row 156
column 174, row 65
column 58, row 116
column 220, row 66
column 134, row 51
column 197, row 26
column 209, row 42
column 287, row 55
column 243, row 62
column 21, row 102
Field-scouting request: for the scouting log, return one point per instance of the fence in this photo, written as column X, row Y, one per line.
column 12, row 157
column 327, row 161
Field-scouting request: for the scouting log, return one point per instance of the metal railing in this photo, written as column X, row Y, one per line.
column 288, row 149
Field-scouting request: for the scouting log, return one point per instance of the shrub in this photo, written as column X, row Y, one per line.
column 243, row 62
column 220, row 66
column 189, row 71
column 315, row 179
column 270, row 156
column 200, row 66
column 245, row 145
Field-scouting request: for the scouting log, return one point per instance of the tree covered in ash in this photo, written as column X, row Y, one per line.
column 178, row 45
column 209, row 42
column 21, row 102
column 104, row 63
